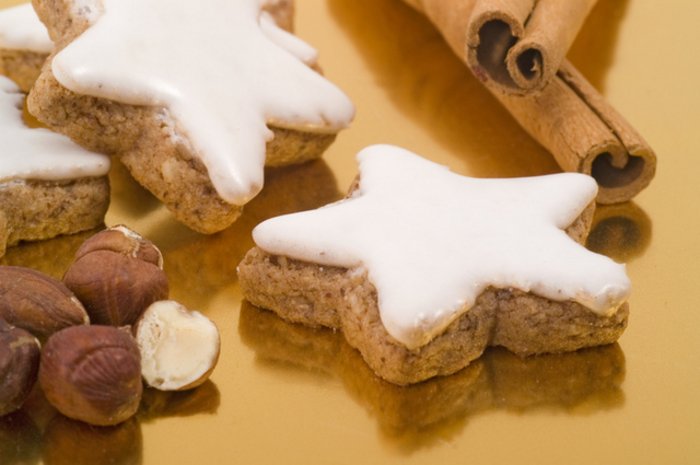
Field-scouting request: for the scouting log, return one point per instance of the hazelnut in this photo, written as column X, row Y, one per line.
column 19, row 362
column 92, row 374
column 179, row 347
column 116, row 275
column 37, row 302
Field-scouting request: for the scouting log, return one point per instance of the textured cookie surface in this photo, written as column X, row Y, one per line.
column 420, row 289
column 48, row 185
column 188, row 123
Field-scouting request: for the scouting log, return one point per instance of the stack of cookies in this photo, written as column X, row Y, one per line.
column 194, row 109
column 420, row 268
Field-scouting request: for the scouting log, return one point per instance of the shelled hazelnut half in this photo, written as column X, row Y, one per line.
column 92, row 374
column 116, row 275
column 179, row 347
column 19, row 362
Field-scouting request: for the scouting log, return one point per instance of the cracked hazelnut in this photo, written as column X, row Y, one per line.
column 116, row 275
column 179, row 347
column 37, row 302
column 19, row 362
column 92, row 374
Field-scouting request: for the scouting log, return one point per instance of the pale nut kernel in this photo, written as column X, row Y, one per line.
column 38, row 303
column 116, row 275
column 179, row 347
column 92, row 374
column 19, row 363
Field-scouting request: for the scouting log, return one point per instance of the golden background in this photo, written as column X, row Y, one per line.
column 286, row 394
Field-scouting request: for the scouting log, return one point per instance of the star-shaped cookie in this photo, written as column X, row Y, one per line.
column 432, row 246
column 24, row 44
column 48, row 184
column 216, row 74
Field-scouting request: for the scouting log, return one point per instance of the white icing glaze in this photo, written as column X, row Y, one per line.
column 215, row 67
column 20, row 29
column 39, row 154
column 431, row 241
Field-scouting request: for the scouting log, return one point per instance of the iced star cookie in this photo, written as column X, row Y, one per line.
column 24, row 45
column 422, row 269
column 48, row 185
column 194, row 97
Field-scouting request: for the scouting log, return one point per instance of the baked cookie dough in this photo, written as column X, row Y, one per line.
column 422, row 269
column 24, row 45
column 194, row 97
column 48, row 185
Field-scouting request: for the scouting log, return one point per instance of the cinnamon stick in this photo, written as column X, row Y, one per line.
column 567, row 116
column 515, row 45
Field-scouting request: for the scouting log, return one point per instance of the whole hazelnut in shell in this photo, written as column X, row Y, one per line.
column 38, row 303
column 92, row 374
column 117, row 274
column 19, row 362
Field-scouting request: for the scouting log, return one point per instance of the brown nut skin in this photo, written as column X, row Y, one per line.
column 19, row 363
column 116, row 275
column 92, row 374
column 37, row 302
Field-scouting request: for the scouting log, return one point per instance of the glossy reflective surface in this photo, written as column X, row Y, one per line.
column 288, row 394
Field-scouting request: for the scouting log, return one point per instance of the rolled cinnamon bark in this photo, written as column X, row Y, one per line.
column 567, row 116
column 515, row 45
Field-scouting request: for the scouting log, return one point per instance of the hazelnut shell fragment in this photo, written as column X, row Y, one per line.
column 38, row 303
column 92, row 374
column 116, row 275
column 19, row 363
column 179, row 347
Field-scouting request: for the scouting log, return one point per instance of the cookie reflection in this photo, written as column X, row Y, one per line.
column 421, row 415
column 198, row 266
column 52, row 256
column 68, row 441
column 621, row 231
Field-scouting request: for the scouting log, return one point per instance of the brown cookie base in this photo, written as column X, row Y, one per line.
column 343, row 299
column 37, row 210
column 22, row 66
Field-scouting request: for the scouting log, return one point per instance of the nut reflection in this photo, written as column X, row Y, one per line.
column 19, row 440
column 200, row 265
column 160, row 404
column 420, row 415
column 621, row 231
column 68, row 441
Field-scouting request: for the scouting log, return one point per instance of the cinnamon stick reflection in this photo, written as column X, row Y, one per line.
column 622, row 231
column 416, row 416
